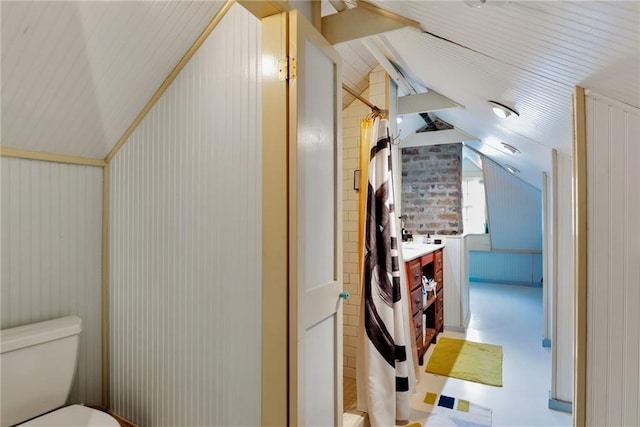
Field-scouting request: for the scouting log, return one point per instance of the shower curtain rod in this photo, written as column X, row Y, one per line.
column 361, row 99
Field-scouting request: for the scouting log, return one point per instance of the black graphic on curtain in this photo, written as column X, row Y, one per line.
column 383, row 368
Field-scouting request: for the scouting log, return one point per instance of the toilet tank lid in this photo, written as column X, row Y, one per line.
column 38, row 333
column 74, row 415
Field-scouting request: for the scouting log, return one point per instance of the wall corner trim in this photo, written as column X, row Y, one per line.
column 170, row 78
column 50, row 157
column 579, row 183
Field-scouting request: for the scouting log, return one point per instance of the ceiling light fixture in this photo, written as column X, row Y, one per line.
column 512, row 169
column 502, row 110
column 399, row 119
column 511, row 148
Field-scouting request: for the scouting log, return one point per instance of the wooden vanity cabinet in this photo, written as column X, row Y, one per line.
column 414, row 284
column 428, row 318
column 439, row 306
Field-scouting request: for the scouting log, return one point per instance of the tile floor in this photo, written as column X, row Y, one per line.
column 510, row 316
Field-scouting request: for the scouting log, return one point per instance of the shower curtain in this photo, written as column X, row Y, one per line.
column 385, row 374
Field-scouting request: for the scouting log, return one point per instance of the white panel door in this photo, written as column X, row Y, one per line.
column 315, row 195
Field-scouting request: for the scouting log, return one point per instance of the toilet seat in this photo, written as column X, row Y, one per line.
column 73, row 416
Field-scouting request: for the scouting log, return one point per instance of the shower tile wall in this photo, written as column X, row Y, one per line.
column 351, row 117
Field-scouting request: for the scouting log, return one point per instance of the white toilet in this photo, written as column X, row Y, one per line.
column 37, row 364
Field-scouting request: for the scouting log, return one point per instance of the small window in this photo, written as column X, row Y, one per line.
column 474, row 210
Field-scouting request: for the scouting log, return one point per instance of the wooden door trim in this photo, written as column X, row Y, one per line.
column 275, row 249
column 580, row 255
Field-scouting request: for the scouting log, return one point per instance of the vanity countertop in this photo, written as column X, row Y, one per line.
column 413, row 250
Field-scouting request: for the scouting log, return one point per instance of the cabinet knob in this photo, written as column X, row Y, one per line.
column 344, row 295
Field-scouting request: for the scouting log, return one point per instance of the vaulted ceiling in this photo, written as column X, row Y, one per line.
column 528, row 55
column 75, row 74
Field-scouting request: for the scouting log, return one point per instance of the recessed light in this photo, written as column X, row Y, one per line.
column 502, row 110
column 399, row 119
column 512, row 169
column 511, row 148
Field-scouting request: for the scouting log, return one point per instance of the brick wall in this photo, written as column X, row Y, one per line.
column 351, row 117
column 432, row 189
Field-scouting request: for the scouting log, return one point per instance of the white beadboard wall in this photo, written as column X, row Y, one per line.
column 185, row 244
column 613, row 275
column 51, row 255
column 456, row 282
column 563, row 298
column 514, row 209
column 505, row 267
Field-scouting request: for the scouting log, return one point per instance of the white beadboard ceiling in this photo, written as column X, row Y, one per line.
column 528, row 55
column 75, row 74
column 357, row 63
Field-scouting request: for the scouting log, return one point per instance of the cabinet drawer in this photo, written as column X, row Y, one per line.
column 418, row 323
column 439, row 313
column 426, row 259
column 420, row 345
column 438, row 260
column 416, row 300
column 414, row 273
column 438, row 276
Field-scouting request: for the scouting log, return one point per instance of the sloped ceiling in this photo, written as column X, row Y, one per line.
column 528, row 55
column 357, row 63
column 76, row 74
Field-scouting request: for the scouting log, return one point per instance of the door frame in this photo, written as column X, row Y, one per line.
column 279, row 276
column 275, row 405
column 579, row 196
column 301, row 313
column 275, row 224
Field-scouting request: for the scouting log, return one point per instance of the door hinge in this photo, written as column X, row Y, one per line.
column 287, row 68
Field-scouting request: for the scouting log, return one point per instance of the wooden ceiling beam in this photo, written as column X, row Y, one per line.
column 338, row 5
column 425, row 103
column 390, row 69
column 436, row 137
column 362, row 21
column 264, row 8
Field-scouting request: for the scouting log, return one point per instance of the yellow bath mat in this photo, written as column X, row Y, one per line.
column 467, row 360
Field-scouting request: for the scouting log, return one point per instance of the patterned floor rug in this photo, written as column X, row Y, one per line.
column 449, row 411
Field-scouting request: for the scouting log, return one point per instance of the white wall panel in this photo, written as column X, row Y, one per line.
column 185, row 244
column 613, row 276
column 456, row 282
column 505, row 267
column 514, row 209
column 563, row 298
column 51, row 255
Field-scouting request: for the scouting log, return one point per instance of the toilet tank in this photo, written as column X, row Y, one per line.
column 37, row 364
